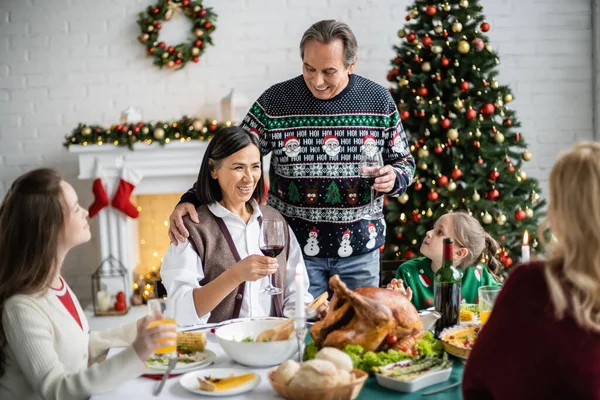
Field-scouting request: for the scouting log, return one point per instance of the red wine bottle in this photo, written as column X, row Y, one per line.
column 446, row 290
column 272, row 251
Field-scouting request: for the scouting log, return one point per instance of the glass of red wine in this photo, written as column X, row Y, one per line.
column 271, row 242
column 370, row 164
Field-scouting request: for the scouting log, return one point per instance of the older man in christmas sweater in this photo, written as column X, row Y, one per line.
column 316, row 126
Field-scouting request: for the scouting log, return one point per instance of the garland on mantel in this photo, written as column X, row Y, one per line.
column 184, row 130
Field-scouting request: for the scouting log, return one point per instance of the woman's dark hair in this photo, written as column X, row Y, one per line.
column 225, row 143
column 32, row 217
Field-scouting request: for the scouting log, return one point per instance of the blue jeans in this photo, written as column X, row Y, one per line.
column 355, row 271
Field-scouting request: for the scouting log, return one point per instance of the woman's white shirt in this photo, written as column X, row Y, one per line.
column 182, row 270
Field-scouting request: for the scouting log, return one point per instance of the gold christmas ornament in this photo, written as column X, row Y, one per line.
column 526, row 156
column 438, row 29
column 414, row 13
column 401, row 33
column 165, row 55
column 423, row 153
column 150, row 28
column 534, row 197
column 427, row 133
column 529, row 212
column 422, row 165
column 508, row 98
column 145, row 37
column 499, row 137
column 494, row 84
column 87, row 131
column 458, row 104
column 452, row 134
column 446, row 7
column 451, row 187
column 489, row 48
column 456, row 63
column 145, row 130
column 171, row 64
column 522, row 174
column 403, row 198
column 426, row 66
column 159, row 133
column 457, row 27
column 476, row 196
column 464, row 3
column 477, row 133
column 487, row 218
column 197, row 125
column 199, row 32
column 195, row 51
column 501, row 219
column 433, row 120
column 463, row 47
column 429, row 212
column 500, row 103
column 452, row 79
column 404, row 82
column 197, row 9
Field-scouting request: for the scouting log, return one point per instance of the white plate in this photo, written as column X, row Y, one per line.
column 416, row 384
column 190, row 381
column 184, row 367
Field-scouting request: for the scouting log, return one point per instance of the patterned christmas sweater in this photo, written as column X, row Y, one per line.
column 316, row 146
column 418, row 275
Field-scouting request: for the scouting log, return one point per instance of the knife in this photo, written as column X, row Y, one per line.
column 170, row 368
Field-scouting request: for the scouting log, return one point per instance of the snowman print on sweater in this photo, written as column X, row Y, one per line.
column 291, row 146
column 311, row 248
column 372, row 230
column 345, row 249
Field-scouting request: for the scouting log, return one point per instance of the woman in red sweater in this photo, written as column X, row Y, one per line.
column 543, row 338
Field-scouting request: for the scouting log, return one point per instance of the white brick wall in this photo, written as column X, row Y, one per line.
column 66, row 61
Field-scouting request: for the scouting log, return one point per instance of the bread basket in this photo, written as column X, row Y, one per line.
column 346, row 392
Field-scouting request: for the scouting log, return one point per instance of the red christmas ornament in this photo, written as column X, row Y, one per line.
column 422, row 91
column 404, row 115
column 155, row 10
column 480, row 161
column 471, row 114
column 203, row 13
column 510, row 168
column 494, row 130
column 431, row 10
column 158, row 26
column 445, row 62
column 418, row 186
column 485, row 83
column 507, row 160
column 185, row 3
column 426, row 41
column 198, row 43
column 421, row 113
column 442, row 180
column 456, row 173
column 416, row 218
column 520, row 215
column 196, row 59
column 507, row 262
column 178, row 61
column 171, row 49
column 487, row 109
column 508, row 122
column 445, row 123
column 518, row 137
column 438, row 77
column 409, row 73
column 432, row 196
column 494, row 175
column 477, row 144
column 493, row 194
column 410, row 37
column 484, row 27
column 151, row 50
column 464, row 86
column 207, row 25
column 162, row 45
column 399, row 235
column 407, row 18
column 408, row 254
column 212, row 127
column 445, row 33
column 438, row 149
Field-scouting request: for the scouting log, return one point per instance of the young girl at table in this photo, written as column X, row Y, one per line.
column 46, row 349
column 471, row 244
column 542, row 340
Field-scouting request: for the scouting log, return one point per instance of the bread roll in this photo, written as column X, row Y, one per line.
column 337, row 357
column 315, row 374
column 285, row 372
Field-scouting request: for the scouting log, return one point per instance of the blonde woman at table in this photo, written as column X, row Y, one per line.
column 217, row 273
column 46, row 350
column 543, row 338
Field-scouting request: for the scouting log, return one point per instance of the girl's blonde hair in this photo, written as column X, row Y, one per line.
column 573, row 267
column 469, row 234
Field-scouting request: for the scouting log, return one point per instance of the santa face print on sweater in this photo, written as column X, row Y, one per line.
column 291, row 146
column 331, row 145
column 369, row 146
column 398, row 145
column 372, row 232
column 311, row 248
column 345, row 249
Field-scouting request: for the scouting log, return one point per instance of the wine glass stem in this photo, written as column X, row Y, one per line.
column 372, row 201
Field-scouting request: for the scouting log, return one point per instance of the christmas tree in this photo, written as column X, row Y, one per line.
column 333, row 194
column 465, row 140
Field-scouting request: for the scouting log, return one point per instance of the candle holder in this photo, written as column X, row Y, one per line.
column 301, row 329
column 109, row 279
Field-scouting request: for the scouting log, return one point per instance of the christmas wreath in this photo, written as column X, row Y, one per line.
column 184, row 130
column 176, row 56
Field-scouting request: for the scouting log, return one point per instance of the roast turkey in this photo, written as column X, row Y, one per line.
column 367, row 316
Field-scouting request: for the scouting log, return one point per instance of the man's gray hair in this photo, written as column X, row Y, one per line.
column 327, row 31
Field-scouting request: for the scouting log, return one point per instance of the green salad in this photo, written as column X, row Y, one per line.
column 474, row 308
column 368, row 361
column 250, row 339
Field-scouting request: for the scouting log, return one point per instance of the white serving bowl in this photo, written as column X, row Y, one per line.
column 255, row 354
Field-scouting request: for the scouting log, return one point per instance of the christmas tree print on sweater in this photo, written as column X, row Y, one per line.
column 293, row 195
column 333, row 194
column 311, row 248
column 345, row 249
column 372, row 235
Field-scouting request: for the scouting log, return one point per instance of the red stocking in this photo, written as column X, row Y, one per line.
column 100, row 197
column 122, row 201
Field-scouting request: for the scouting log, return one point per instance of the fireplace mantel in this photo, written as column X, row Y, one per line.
column 172, row 168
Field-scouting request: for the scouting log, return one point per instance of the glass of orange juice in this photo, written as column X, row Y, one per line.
column 164, row 308
column 487, row 298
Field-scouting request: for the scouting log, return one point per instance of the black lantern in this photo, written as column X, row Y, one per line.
column 109, row 288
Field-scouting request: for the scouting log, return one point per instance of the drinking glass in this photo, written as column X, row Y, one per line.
column 271, row 243
column 487, row 298
column 370, row 164
column 162, row 306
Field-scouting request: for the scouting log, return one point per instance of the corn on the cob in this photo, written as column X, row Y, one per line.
column 466, row 315
column 192, row 341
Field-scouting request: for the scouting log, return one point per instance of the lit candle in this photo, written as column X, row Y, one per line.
column 525, row 248
column 300, row 306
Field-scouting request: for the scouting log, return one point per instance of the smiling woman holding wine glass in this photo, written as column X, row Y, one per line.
column 240, row 259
